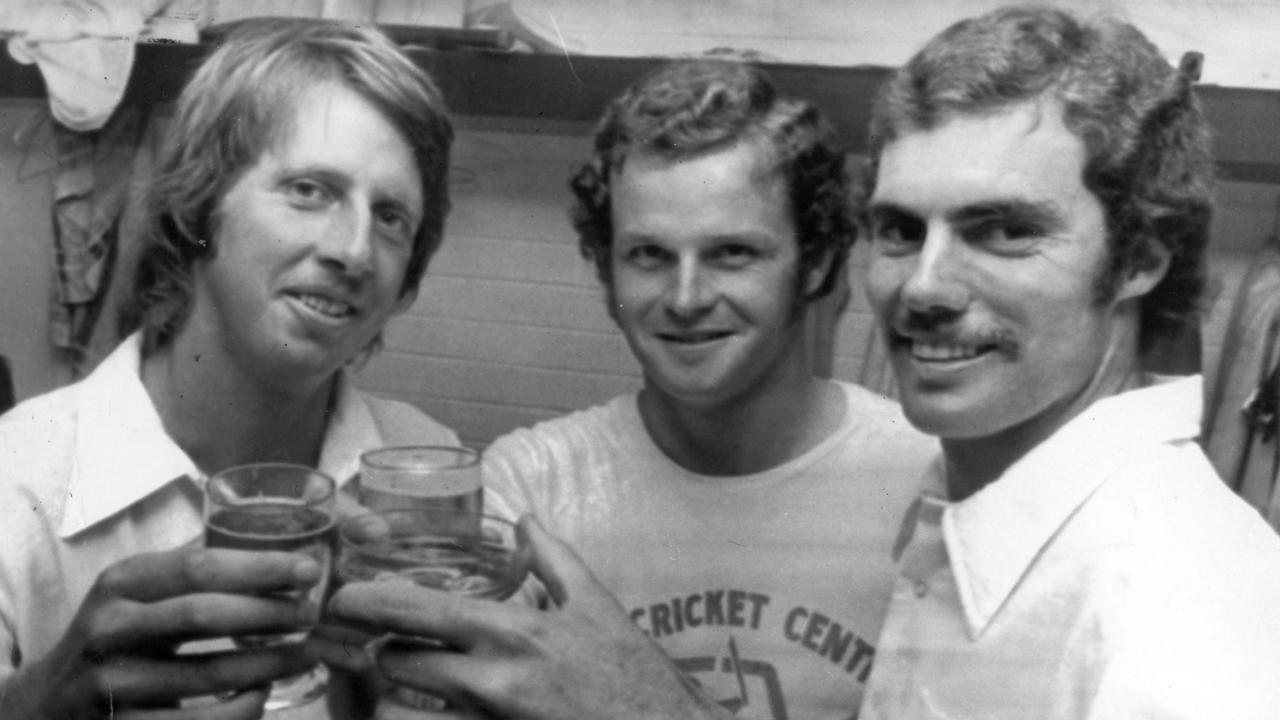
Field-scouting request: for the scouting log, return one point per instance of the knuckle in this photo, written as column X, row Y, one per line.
column 500, row 686
column 111, row 582
column 99, row 681
column 494, row 685
column 527, row 630
column 196, row 566
column 192, row 615
column 102, row 628
column 204, row 680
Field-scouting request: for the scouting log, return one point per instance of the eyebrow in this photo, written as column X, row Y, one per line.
column 745, row 235
column 889, row 211
column 1044, row 213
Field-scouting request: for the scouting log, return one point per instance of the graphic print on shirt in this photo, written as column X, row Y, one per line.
column 763, row 676
column 741, row 672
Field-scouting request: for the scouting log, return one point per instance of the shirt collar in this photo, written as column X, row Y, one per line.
column 123, row 453
column 995, row 535
column 351, row 430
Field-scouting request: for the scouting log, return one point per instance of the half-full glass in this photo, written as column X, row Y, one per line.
column 280, row 507
column 442, row 548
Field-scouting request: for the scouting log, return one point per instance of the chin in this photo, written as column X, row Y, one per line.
column 304, row 361
column 946, row 423
column 685, row 392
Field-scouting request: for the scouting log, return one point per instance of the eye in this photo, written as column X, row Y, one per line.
column 734, row 255
column 1005, row 236
column 897, row 235
column 394, row 224
column 645, row 256
column 308, row 193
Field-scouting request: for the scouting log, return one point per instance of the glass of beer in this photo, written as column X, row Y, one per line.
column 422, row 476
column 441, row 548
column 281, row 507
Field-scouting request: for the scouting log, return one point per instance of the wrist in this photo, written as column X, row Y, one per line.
column 20, row 695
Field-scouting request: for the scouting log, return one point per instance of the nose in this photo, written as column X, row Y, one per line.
column 692, row 289
column 936, row 284
column 347, row 244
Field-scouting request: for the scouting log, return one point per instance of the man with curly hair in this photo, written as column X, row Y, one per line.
column 1039, row 210
column 740, row 507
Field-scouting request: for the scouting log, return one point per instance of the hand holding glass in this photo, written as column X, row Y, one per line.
column 279, row 507
column 440, row 548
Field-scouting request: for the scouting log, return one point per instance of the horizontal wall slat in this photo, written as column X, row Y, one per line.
column 511, row 216
column 476, row 423
column 404, row 374
column 514, row 303
column 503, row 343
column 514, row 185
column 516, row 260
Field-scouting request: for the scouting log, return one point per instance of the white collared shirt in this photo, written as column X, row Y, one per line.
column 88, row 477
column 1106, row 574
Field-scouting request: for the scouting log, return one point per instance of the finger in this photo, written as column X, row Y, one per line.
column 563, row 573
column 389, row 709
column 157, row 576
column 342, row 648
column 409, row 609
column 245, row 705
column 424, row 666
column 141, row 680
column 193, row 617
column 365, row 529
column 347, row 506
column 439, row 672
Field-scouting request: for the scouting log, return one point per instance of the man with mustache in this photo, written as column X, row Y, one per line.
column 740, row 508
column 297, row 198
column 1039, row 209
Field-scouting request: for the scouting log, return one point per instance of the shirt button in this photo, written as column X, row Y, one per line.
column 922, row 588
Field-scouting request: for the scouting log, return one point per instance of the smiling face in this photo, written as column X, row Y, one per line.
column 311, row 243
column 705, row 265
column 985, row 250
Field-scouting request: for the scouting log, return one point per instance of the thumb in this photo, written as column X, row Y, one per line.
column 347, row 505
column 560, row 569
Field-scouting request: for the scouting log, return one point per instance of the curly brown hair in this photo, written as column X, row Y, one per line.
column 692, row 107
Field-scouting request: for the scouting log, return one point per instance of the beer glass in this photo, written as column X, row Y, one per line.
column 281, row 507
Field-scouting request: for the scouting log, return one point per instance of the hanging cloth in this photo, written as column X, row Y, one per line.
column 90, row 188
column 1240, row 425
column 84, row 50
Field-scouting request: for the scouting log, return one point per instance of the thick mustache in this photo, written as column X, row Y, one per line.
column 916, row 329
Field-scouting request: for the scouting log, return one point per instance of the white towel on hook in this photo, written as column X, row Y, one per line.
column 84, row 49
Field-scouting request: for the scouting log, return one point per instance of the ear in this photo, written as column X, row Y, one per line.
column 406, row 301
column 1146, row 273
column 814, row 276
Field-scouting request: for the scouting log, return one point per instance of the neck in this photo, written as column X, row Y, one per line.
column 747, row 435
column 222, row 416
column 973, row 463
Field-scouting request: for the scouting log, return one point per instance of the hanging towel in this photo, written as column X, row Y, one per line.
column 1240, row 420
column 84, row 49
